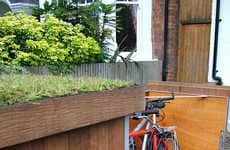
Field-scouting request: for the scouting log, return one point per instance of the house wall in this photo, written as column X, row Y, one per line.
column 4, row 7
column 170, row 45
column 26, row 7
column 158, row 28
column 165, row 44
column 223, row 54
column 41, row 3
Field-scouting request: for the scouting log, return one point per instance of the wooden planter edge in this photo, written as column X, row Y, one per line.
column 189, row 88
column 26, row 122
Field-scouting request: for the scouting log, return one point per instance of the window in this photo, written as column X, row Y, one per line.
column 85, row 2
column 138, row 24
column 126, row 27
column 127, row 1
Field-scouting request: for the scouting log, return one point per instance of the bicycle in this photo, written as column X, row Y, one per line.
column 154, row 136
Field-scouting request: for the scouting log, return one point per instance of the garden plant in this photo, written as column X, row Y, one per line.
column 25, row 41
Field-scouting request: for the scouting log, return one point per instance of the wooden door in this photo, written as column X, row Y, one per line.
column 194, row 40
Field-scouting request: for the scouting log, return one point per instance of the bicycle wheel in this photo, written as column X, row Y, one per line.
column 172, row 142
column 149, row 145
column 161, row 145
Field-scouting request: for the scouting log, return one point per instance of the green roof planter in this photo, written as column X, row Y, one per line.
column 32, row 118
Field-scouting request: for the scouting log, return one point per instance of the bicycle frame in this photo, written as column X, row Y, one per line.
column 155, row 130
column 148, row 129
column 159, row 135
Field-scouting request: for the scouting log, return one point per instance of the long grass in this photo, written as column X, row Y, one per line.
column 29, row 88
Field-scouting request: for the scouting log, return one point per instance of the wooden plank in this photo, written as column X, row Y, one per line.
column 198, row 120
column 107, row 135
column 116, row 135
column 57, row 142
column 189, row 88
column 79, row 139
column 99, row 137
column 196, row 21
column 122, row 71
column 21, row 123
column 193, row 53
column 195, row 9
column 194, row 40
column 33, row 145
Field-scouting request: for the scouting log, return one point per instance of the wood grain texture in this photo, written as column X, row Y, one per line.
column 107, row 135
column 190, row 88
column 194, row 40
column 21, row 123
column 195, row 9
column 57, row 142
column 193, row 53
column 198, row 120
column 138, row 72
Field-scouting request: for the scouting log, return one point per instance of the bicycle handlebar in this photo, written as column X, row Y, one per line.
column 162, row 99
column 158, row 103
column 136, row 115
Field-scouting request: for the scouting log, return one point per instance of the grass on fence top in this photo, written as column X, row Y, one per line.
column 28, row 88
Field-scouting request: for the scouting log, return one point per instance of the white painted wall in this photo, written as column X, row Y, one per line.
column 41, row 3
column 223, row 59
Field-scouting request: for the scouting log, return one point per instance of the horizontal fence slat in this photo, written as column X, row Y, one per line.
column 139, row 72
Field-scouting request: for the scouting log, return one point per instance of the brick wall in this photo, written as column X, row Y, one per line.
column 158, row 28
column 171, row 45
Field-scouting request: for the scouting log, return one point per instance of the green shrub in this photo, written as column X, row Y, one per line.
column 28, row 42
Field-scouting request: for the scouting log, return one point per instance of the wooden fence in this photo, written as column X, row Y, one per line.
column 140, row 72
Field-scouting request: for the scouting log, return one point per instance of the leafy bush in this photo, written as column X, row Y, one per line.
column 12, row 69
column 28, row 42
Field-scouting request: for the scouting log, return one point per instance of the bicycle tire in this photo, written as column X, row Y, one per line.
column 160, row 145
column 149, row 145
column 175, row 141
column 172, row 142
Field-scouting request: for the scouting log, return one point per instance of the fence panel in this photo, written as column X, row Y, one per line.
column 139, row 72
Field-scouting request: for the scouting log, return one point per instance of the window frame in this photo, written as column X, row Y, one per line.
column 131, row 2
column 84, row 3
column 144, row 51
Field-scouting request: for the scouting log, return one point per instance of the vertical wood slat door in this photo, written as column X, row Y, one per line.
column 107, row 135
column 194, row 40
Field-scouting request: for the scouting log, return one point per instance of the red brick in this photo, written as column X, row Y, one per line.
column 158, row 35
